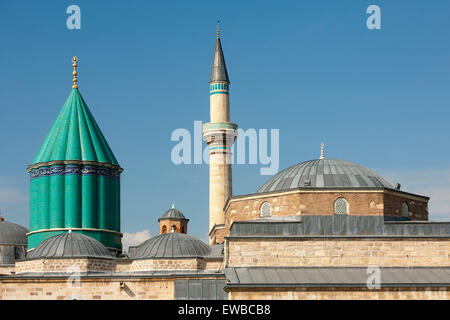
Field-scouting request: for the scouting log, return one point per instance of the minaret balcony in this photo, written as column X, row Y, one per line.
column 220, row 132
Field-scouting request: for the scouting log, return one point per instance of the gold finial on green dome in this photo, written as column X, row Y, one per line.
column 75, row 60
column 217, row 29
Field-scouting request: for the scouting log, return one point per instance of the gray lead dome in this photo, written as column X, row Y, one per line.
column 70, row 245
column 12, row 234
column 325, row 173
column 173, row 214
column 172, row 245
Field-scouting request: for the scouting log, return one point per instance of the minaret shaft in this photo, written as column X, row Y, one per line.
column 219, row 107
column 219, row 134
column 220, row 187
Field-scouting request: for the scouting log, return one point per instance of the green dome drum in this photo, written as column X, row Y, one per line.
column 75, row 179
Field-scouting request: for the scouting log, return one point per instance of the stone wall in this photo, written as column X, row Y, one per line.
column 337, row 252
column 218, row 235
column 164, row 264
column 338, row 293
column 65, row 265
column 173, row 264
column 6, row 269
column 108, row 265
column 207, row 264
column 122, row 265
column 96, row 289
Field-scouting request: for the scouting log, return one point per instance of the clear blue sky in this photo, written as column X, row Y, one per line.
column 309, row 68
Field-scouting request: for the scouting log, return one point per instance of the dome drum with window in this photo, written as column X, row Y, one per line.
column 173, row 221
column 330, row 186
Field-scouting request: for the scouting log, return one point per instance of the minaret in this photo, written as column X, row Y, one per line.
column 219, row 134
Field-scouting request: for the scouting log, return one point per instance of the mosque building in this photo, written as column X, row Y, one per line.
column 320, row 229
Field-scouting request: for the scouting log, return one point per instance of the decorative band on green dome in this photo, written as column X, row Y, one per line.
column 59, row 170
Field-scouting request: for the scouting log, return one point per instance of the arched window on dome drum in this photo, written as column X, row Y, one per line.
column 164, row 229
column 174, row 228
column 405, row 210
column 265, row 210
column 340, row 206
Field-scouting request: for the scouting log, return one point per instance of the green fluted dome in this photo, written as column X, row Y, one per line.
column 75, row 180
column 75, row 135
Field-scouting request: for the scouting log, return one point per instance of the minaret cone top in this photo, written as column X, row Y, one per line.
column 219, row 69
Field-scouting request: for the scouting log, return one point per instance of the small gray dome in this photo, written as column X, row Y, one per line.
column 172, row 245
column 325, row 173
column 70, row 245
column 11, row 233
column 174, row 214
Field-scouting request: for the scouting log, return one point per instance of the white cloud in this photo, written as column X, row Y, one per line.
column 134, row 239
column 433, row 183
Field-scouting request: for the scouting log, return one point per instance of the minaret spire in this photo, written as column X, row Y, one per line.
column 321, row 150
column 75, row 80
column 218, row 35
column 219, row 69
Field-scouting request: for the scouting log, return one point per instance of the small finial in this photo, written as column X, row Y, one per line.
column 321, row 151
column 173, row 205
column 75, row 60
column 217, row 29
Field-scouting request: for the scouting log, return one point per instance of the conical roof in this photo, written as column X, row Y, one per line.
column 173, row 214
column 75, row 135
column 219, row 69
